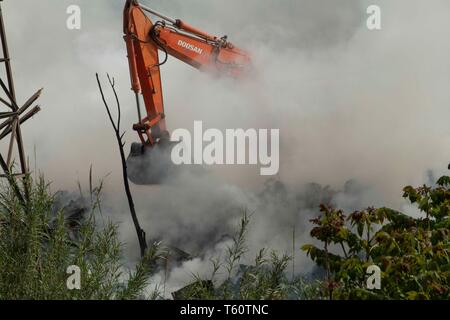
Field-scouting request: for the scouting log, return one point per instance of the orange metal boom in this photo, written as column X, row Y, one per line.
column 176, row 38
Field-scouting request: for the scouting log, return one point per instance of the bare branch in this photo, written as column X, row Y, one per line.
column 106, row 104
column 112, row 82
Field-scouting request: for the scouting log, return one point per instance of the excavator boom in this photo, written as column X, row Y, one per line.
column 173, row 37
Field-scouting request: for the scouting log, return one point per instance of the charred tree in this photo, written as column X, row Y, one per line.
column 119, row 137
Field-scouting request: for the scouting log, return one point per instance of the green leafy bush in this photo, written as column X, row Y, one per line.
column 413, row 254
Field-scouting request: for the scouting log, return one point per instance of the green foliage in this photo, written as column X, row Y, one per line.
column 266, row 280
column 413, row 254
column 37, row 247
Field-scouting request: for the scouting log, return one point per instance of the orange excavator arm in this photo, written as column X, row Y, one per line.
column 178, row 39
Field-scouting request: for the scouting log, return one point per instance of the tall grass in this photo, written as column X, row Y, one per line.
column 37, row 246
column 266, row 278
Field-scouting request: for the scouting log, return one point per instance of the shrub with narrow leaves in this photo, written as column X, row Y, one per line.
column 37, row 247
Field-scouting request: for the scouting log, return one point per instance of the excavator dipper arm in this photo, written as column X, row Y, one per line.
column 144, row 72
column 178, row 39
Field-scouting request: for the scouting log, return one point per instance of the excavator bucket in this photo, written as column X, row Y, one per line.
column 150, row 165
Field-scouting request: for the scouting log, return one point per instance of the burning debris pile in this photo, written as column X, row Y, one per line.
column 75, row 208
column 200, row 220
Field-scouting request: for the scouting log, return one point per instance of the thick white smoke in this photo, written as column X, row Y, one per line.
column 350, row 104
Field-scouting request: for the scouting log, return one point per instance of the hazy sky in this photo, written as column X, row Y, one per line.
column 359, row 104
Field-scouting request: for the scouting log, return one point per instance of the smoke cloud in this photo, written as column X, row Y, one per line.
column 362, row 112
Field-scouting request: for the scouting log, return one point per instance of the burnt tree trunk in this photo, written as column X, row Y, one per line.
column 119, row 137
